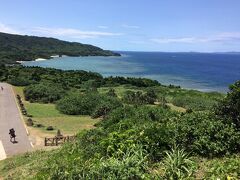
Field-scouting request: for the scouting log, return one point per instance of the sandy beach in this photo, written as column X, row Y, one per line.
column 40, row 59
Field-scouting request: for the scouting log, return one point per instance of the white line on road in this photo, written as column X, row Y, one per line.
column 2, row 152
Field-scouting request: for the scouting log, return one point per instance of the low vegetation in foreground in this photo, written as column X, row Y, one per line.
column 146, row 130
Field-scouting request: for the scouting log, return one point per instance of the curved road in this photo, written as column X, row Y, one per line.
column 10, row 118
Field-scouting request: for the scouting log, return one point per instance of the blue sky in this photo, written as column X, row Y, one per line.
column 136, row 25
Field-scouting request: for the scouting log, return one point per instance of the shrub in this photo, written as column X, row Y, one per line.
column 106, row 105
column 193, row 102
column 46, row 93
column 111, row 93
column 29, row 122
column 49, row 128
column 223, row 168
column 138, row 97
column 205, row 134
column 20, row 81
column 230, row 106
column 87, row 104
column 39, row 125
column 78, row 104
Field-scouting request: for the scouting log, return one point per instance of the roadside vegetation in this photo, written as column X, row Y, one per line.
column 143, row 130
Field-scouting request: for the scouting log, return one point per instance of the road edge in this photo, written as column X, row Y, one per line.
column 3, row 154
column 21, row 116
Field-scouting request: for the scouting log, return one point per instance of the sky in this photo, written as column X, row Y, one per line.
column 130, row 25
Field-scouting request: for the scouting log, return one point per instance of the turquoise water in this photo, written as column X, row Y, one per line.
column 201, row 71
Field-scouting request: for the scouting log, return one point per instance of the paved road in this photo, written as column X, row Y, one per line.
column 10, row 118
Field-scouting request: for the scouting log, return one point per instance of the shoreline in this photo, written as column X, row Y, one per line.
column 176, row 81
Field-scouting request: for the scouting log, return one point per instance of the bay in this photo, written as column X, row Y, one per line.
column 201, row 71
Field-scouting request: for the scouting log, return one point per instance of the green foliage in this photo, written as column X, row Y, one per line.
column 87, row 104
column 143, row 125
column 138, row 82
column 105, row 105
column 138, row 97
column 111, row 93
column 205, row 134
column 224, row 168
column 18, row 48
column 177, row 165
column 131, row 139
column 24, row 166
column 196, row 103
column 78, row 104
column 22, row 76
column 230, row 106
column 129, row 165
column 90, row 86
column 46, row 93
column 20, row 81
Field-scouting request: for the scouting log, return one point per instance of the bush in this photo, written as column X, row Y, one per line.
column 230, row 106
column 39, row 125
column 29, row 122
column 205, row 134
column 20, row 81
column 49, row 128
column 111, row 93
column 193, row 102
column 106, row 105
column 87, row 104
column 46, row 93
column 224, row 168
column 138, row 97
column 78, row 104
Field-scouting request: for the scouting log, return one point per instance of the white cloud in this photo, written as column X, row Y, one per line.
column 103, row 27
column 137, row 42
column 7, row 29
column 222, row 37
column 130, row 26
column 173, row 40
column 73, row 33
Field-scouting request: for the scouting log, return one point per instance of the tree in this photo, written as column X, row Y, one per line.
column 230, row 106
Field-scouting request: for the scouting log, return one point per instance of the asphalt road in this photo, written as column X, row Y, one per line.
column 10, row 117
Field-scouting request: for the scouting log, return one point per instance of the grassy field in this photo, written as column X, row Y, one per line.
column 119, row 90
column 26, row 166
column 23, row 166
column 48, row 115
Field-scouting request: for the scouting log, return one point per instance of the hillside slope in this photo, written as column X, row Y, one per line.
column 24, row 48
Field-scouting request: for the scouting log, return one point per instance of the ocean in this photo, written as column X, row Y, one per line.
column 200, row 71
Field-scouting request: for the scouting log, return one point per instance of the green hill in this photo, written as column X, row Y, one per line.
column 25, row 48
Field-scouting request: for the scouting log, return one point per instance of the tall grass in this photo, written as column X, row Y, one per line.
column 177, row 165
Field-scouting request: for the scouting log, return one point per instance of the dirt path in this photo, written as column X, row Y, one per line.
column 10, row 117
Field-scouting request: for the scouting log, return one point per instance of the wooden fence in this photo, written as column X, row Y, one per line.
column 55, row 141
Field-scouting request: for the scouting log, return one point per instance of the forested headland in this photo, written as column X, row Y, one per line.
column 15, row 48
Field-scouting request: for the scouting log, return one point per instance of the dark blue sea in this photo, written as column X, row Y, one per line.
column 201, row 71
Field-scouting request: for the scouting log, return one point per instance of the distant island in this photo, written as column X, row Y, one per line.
column 15, row 48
